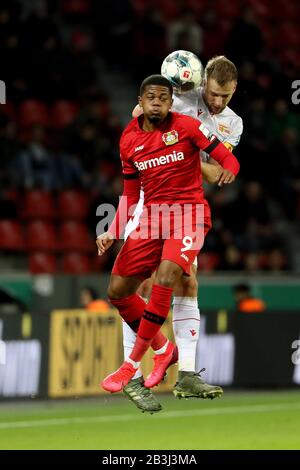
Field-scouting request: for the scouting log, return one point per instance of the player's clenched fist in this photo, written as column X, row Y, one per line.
column 104, row 242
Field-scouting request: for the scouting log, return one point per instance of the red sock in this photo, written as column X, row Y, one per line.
column 154, row 316
column 158, row 341
column 140, row 348
column 131, row 310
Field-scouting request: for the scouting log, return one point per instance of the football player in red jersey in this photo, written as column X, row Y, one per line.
column 209, row 104
column 160, row 152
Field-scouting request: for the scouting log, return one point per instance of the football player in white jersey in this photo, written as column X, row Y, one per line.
column 209, row 104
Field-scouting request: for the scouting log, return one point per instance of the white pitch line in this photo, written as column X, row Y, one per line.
column 164, row 415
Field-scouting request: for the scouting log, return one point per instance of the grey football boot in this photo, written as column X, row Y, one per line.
column 190, row 384
column 141, row 396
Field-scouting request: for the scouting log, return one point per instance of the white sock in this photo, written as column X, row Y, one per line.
column 129, row 337
column 186, row 326
column 135, row 364
column 163, row 349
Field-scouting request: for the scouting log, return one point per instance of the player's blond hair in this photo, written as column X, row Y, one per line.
column 221, row 69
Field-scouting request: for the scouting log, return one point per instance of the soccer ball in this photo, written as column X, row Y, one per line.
column 183, row 69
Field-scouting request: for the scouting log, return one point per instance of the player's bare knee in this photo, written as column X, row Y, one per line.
column 117, row 289
column 190, row 286
column 168, row 274
column 120, row 287
column 113, row 293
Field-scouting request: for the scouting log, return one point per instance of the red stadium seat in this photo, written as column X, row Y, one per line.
column 41, row 236
column 289, row 56
column 229, row 10
column 11, row 236
column 284, row 11
column 197, row 7
column 261, row 8
column 74, row 236
column 33, row 112
column 168, row 8
column 288, row 36
column 13, row 195
column 42, row 263
column 73, row 205
column 38, row 204
column 76, row 263
column 76, row 7
column 63, row 113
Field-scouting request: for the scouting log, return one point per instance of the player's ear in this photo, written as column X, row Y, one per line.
column 137, row 111
column 140, row 101
column 171, row 104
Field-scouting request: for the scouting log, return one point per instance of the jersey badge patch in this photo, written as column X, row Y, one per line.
column 224, row 129
column 170, row 138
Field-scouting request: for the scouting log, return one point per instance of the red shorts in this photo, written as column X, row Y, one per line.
column 140, row 257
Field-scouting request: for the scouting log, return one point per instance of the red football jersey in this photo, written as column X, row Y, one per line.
column 167, row 159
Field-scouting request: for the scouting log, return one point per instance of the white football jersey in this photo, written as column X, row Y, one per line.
column 227, row 126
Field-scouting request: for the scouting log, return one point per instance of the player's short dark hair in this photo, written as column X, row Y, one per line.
column 221, row 69
column 156, row 80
